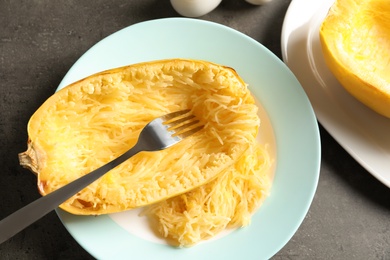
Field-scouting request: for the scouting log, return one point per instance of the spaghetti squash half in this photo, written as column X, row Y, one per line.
column 94, row 120
column 355, row 40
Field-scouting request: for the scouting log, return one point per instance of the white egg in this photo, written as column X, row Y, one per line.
column 258, row 2
column 194, row 8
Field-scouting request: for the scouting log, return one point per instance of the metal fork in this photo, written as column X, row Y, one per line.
column 158, row 134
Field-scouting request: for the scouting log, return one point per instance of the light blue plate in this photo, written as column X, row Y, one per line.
column 292, row 118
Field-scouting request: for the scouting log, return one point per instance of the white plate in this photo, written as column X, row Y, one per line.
column 363, row 133
column 291, row 116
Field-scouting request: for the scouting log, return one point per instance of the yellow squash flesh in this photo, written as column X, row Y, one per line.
column 94, row 120
column 355, row 39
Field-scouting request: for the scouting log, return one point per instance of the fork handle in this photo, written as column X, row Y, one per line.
column 32, row 212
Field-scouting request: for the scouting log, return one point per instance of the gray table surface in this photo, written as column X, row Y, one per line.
column 41, row 39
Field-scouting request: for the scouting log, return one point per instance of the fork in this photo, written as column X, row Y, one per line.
column 158, row 134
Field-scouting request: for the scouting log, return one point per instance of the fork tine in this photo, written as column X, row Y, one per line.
column 187, row 132
column 179, row 120
column 180, row 126
column 174, row 115
column 183, row 123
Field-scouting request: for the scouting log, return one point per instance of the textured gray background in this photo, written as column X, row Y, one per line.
column 41, row 39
